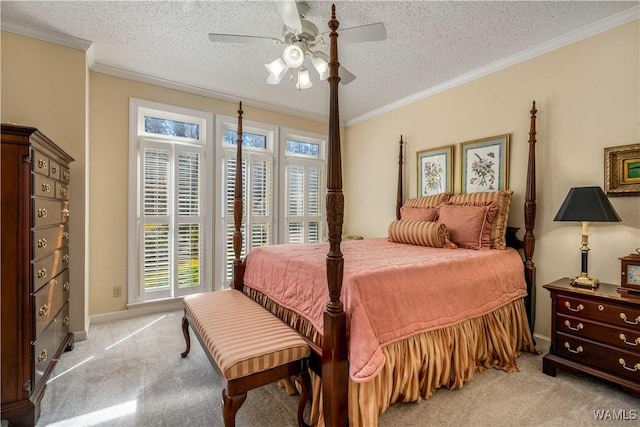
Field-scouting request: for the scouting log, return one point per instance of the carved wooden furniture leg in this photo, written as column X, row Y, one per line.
column 187, row 339
column 230, row 406
column 305, row 382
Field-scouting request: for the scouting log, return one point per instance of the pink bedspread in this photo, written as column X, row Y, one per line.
column 390, row 290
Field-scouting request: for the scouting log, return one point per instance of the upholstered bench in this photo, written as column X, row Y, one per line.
column 246, row 344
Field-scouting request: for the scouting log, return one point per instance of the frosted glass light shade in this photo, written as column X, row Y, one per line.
column 293, row 56
column 321, row 67
column 304, row 82
column 277, row 69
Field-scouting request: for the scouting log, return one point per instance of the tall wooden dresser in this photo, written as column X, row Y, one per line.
column 34, row 214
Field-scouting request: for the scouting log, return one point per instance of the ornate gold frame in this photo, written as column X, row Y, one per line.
column 617, row 164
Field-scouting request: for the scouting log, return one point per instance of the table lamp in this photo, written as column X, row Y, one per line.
column 586, row 204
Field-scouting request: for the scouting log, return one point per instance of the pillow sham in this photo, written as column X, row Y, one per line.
column 423, row 233
column 499, row 225
column 418, row 214
column 469, row 226
column 431, row 201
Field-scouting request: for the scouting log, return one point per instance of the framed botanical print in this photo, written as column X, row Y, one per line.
column 622, row 170
column 435, row 170
column 485, row 164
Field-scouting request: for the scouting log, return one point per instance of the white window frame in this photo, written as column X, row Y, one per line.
column 306, row 161
column 138, row 108
column 225, row 151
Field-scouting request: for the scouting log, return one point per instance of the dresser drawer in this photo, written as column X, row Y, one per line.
column 48, row 344
column 65, row 175
column 49, row 212
column 54, row 170
column 49, row 300
column 39, row 163
column 62, row 191
column 625, row 338
column 600, row 356
column 49, row 239
column 617, row 315
column 43, row 187
column 48, row 267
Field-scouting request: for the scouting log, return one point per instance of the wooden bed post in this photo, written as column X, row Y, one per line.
column 335, row 373
column 238, row 266
column 399, row 196
column 529, row 222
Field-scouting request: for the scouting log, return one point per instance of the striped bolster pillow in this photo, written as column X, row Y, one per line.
column 423, row 233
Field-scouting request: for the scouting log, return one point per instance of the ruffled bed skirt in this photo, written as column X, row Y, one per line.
column 415, row 367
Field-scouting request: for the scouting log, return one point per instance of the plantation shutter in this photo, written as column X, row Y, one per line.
column 304, row 201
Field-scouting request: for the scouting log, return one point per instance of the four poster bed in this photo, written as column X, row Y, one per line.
column 387, row 321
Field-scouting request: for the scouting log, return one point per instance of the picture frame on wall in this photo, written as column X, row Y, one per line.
column 622, row 170
column 485, row 164
column 435, row 170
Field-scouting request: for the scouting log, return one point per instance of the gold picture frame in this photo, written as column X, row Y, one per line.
column 622, row 170
column 435, row 170
column 484, row 164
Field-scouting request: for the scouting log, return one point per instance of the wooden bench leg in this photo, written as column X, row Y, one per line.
column 230, row 406
column 187, row 339
column 305, row 382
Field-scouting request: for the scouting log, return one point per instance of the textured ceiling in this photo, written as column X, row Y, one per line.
column 428, row 43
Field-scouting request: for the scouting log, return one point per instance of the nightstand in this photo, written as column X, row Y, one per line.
column 596, row 331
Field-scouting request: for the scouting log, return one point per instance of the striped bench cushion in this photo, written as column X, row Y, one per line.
column 242, row 337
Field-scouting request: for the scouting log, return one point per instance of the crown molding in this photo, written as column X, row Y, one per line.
column 182, row 87
column 574, row 36
column 45, row 35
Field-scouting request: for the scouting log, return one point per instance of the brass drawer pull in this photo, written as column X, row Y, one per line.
column 65, row 258
column 579, row 308
column 44, row 310
column 577, row 328
column 42, row 243
column 65, row 175
column 63, row 191
column 65, row 322
column 624, row 339
column 624, row 365
column 42, row 163
column 42, row 273
column 42, row 213
column 577, row 350
column 43, row 356
column 624, row 317
column 54, row 169
column 65, row 235
column 66, row 286
column 46, row 187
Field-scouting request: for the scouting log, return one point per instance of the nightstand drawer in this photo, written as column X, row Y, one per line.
column 625, row 338
column 627, row 317
column 600, row 356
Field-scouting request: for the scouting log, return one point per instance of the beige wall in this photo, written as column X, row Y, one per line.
column 587, row 99
column 44, row 86
column 109, row 136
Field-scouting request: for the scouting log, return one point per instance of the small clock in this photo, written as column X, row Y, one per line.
column 630, row 274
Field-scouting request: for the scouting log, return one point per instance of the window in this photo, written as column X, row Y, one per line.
column 169, row 237
column 281, row 205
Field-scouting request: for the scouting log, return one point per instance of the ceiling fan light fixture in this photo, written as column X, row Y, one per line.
column 304, row 82
column 321, row 67
column 277, row 69
column 293, row 56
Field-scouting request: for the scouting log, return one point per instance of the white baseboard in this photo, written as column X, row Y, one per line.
column 134, row 310
column 542, row 342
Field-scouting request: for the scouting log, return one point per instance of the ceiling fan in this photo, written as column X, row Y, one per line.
column 303, row 39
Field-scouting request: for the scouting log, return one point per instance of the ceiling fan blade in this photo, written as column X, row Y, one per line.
column 346, row 76
column 290, row 15
column 238, row 38
column 363, row 33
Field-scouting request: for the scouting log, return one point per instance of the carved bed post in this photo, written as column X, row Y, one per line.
column 238, row 266
column 399, row 196
column 529, row 222
column 335, row 374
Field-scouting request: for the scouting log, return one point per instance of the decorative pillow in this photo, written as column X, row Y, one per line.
column 428, row 201
column 469, row 226
column 423, row 233
column 418, row 214
column 499, row 226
